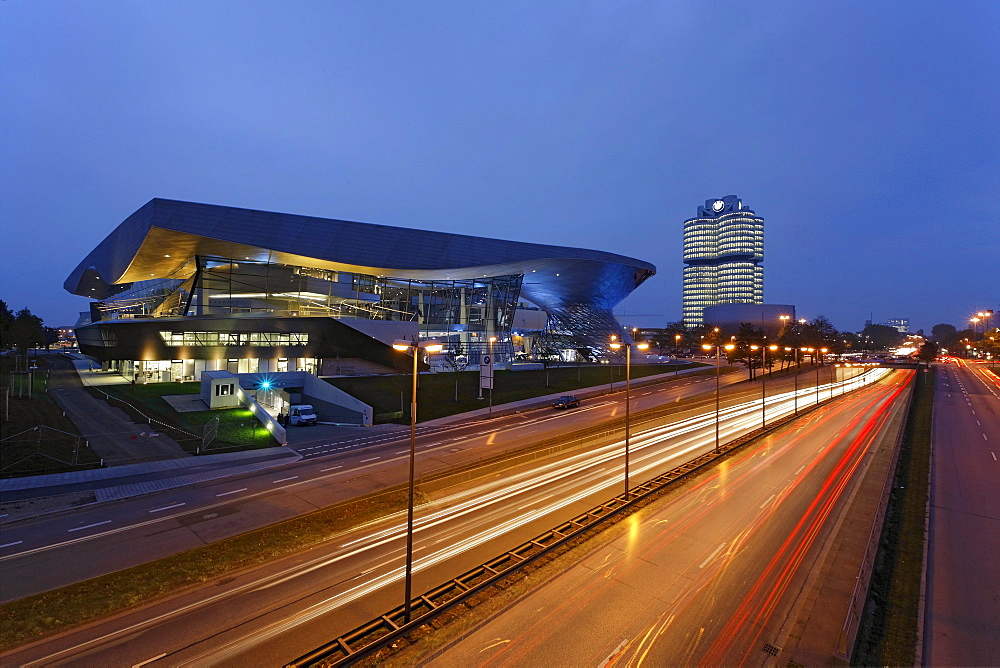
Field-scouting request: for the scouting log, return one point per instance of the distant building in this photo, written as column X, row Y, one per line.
column 729, row 317
column 901, row 325
column 723, row 251
column 66, row 336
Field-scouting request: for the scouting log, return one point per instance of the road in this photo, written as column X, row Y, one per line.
column 962, row 618
column 273, row 614
column 52, row 551
column 710, row 575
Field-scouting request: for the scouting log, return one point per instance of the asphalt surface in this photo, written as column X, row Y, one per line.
column 110, row 431
column 275, row 613
column 713, row 574
column 51, row 551
column 962, row 611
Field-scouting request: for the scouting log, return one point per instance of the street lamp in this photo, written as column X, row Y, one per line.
column 431, row 346
column 492, row 340
column 795, row 379
column 812, row 352
column 718, row 347
column 628, row 377
column 763, row 379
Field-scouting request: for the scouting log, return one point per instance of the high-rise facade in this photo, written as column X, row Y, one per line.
column 723, row 251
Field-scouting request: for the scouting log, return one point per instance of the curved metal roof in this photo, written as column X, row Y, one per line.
column 159, row 240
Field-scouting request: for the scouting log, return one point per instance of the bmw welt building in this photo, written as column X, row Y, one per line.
column 179, row 288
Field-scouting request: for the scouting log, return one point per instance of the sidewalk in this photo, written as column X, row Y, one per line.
column 110, row 432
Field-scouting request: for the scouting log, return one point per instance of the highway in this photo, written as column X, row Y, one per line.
column 52, row 551
column 962, row 618
column 711, row 575
column 273, row 614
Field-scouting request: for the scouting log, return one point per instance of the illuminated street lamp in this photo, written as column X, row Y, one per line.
column 677, row 344
column 492, row 340
column 431, row 346
column 763, row 377
column 795, row 379
column 628, row 377
column 718, row 347
column 813, row 352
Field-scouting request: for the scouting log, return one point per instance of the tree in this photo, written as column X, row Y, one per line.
column 880, row 337
column 944, row 334
column 26, row 331
column 746, row 336
column 928, row 352
column 457, row 360
column 6, row 326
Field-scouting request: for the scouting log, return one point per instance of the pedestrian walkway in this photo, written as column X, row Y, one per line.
column 109, row 431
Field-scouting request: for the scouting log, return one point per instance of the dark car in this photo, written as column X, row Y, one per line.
column 566, row 401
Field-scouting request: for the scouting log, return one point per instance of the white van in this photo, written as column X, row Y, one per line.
column 301, row 415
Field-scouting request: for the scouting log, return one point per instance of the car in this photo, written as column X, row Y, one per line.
column 566, row 401
column 301, row 415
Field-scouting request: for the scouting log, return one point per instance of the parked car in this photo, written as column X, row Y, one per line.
column 301, row 415
column 566, row 401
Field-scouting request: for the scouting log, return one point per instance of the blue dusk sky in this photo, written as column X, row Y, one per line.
column 865, row 133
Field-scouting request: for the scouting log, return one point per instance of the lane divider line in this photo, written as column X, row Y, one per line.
column 174, row 505
column 89, row 526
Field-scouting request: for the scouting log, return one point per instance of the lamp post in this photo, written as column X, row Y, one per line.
column 763, row 379
column 718, row 347
column 813, row 351
column 628, row 378
column 431, row 346
column 493, row 379
column 795, row 379
column 677, row 346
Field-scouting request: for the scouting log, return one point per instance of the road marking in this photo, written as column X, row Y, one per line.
column 800, row 469
column 275, row 482
column 992, row 453
column 984, row 437
column 243, row 489
column 18, row 542
column 155, row 658
column 89, row 526
column 5, row 515
column 402, row 452
column 332, row 468
column 175, row 505
column 712, row 556
column 370, row 460
column 768, row 501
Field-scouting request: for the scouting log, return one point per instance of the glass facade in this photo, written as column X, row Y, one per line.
column 457, row 312
column 189, row 280
column 723, row 249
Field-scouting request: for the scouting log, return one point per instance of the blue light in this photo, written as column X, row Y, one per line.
column 265, row 384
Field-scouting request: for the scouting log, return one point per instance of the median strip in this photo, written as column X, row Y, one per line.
column 32, row 617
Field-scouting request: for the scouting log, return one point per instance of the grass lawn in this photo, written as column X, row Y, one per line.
column 237, row 426
column 888, row 635
column 28, row 449
column 53, row 611
column 390, row 395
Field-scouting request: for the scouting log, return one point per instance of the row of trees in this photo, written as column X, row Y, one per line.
column 23, row 330
column 818, row 333
column 967, row 341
